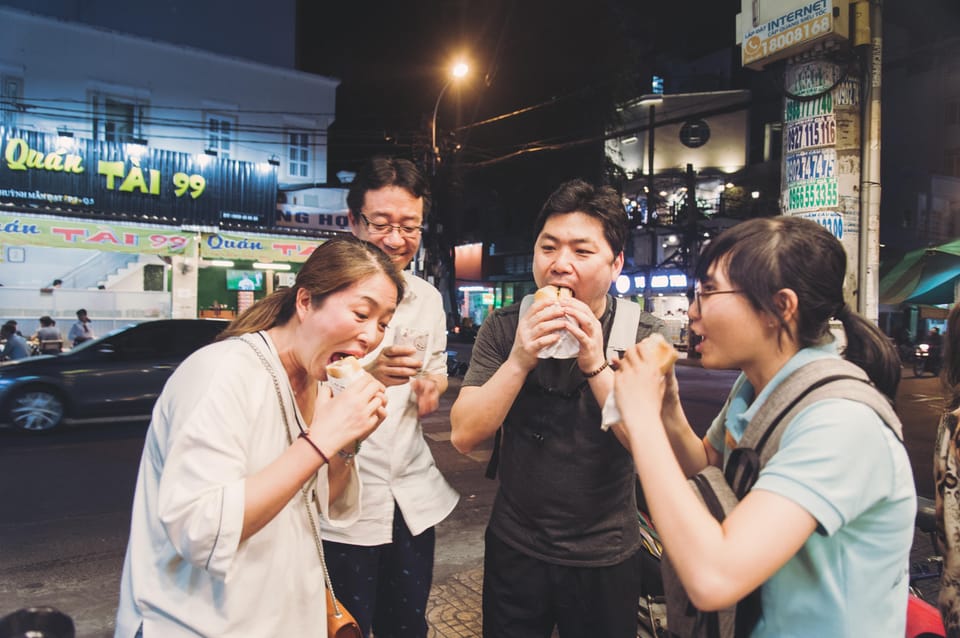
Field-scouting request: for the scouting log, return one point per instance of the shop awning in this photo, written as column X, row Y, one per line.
column 923, row 276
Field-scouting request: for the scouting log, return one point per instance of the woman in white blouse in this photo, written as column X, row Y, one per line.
column 244, row 439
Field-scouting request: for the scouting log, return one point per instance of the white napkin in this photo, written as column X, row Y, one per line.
column 610, row 413
column 567, row 347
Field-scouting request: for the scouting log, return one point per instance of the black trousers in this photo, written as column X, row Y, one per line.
column 385, row 587
column 524, row 597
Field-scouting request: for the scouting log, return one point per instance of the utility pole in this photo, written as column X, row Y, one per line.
column 868, row 276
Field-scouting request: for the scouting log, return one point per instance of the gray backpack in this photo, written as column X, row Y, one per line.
column 721, row 490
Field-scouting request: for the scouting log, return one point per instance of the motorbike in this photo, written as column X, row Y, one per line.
column 926, row 358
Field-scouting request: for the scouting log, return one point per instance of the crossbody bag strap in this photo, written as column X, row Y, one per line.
column 303, row 490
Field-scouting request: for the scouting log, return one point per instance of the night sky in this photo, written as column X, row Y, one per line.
column 570, row 60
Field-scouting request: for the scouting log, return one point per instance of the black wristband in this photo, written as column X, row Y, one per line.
column 306, row 437
column 590, row 375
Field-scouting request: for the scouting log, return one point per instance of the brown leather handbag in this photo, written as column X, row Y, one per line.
column 340, row 623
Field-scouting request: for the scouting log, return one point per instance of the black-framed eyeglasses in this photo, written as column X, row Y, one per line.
column 385, row 229
column 697, row 294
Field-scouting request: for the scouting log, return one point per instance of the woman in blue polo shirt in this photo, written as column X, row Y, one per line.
column 826, row 530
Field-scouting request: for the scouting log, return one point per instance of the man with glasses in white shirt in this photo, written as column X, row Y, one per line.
column 382, row 566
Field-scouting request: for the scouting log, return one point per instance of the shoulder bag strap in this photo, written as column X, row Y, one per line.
column 303, row 490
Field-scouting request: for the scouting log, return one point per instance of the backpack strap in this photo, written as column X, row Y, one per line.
column 623, row 334
column 816, row 381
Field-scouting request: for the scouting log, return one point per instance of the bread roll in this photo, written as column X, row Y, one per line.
column 552, row 293
column 655, row 348
column 344, row 368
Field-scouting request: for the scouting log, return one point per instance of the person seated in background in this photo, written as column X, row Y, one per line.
column 48, row 337
column 15, row 346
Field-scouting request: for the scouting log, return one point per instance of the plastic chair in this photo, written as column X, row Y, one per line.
column 51, row 346
column 37, row 622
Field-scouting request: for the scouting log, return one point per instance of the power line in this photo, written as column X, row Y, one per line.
column 136, row 102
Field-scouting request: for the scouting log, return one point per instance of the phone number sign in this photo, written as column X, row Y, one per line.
column 810, row 165
column 812, row 195
column 779, row 37
column 811, row 133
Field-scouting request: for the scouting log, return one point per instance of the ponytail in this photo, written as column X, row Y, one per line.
column 274, row 309
column 870, row 349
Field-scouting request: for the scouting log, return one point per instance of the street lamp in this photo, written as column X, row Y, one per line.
column 459, row 70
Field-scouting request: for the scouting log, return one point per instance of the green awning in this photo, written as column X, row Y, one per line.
column 923, row 276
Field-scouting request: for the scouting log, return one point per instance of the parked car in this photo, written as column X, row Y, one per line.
column 117, row 376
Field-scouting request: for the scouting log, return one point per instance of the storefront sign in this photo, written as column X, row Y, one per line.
column 311, row 218
column 30, row 230
column 785, row 34
column 85, row 176
column 256, row 247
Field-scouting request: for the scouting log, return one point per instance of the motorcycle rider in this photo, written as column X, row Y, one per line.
column 934, row 340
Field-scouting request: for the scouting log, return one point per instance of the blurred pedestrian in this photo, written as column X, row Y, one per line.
column 946, row 476
column 245, row 438
column 15, row 346
column 81, row 330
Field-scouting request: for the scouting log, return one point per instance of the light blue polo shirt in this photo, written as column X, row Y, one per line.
column 838, row 461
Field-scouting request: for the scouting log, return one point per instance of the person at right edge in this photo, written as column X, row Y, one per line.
column 826, row 530
column 562, row 548
column 946, row 475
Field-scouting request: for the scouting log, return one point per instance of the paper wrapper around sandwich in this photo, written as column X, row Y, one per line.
column 654, row 348
column 567, row 347
column 341, row 373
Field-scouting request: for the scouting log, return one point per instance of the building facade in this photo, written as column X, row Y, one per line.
column 170, row 154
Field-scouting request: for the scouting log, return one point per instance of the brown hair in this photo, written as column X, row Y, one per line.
column 335, row 265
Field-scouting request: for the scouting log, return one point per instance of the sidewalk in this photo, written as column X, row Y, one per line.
column 454, row 607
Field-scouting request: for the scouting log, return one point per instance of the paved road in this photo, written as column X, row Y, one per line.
column 66, row 507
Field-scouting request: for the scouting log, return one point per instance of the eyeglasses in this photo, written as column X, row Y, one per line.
column 698, row 294
column 386, row 229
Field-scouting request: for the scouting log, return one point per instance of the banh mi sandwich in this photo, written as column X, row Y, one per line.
column 342, row 372
column 656, row 349
column 344, row 368
column 553, row 293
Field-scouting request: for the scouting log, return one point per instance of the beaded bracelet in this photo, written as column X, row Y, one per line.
column 590, row 375
column 306, row 437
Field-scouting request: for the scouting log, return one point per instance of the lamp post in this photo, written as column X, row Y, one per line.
column 459, row 70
